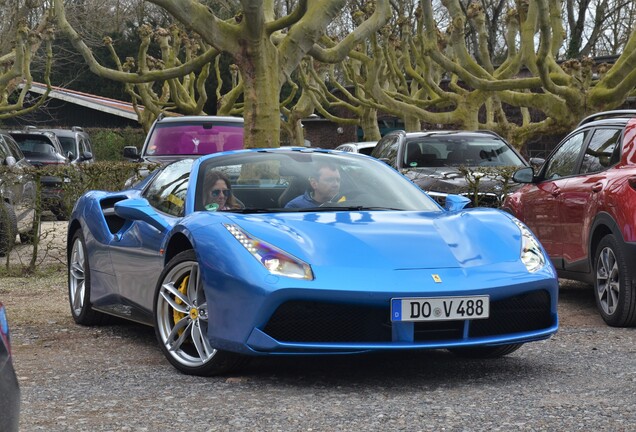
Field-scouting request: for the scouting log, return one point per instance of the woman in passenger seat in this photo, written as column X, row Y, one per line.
column 218, row 192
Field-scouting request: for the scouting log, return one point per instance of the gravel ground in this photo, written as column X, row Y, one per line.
column 114, row 378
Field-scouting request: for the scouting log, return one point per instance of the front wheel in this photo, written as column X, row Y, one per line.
column 615, row 293
column 486, row 352
column 181, row 320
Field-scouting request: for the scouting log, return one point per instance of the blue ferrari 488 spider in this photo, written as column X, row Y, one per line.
column 304, row 251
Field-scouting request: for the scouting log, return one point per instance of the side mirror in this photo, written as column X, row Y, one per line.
column 536, row 162
column 9, row 161
column 524, row 175
column 455, row 202
column 87, row 155
column 131, row 152
column 70, row 155
column 140, row 209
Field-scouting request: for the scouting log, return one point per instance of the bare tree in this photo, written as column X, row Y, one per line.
column 16, row 58
column 441, row 77
column 618, row 24
column 266, row 49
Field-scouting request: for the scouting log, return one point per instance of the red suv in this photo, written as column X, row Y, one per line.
column 581, row 204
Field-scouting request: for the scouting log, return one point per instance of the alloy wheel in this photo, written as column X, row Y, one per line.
column 77, row 277
column 607, row 281
column 182, row 316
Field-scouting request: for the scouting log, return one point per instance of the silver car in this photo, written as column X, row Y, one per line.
column 364, row 147
column 76, row 144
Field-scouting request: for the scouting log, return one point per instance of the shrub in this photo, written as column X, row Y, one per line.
column 108, row 144
column 500, row 178
column 75, row 180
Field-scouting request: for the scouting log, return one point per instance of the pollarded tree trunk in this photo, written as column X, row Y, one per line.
column 261, row 88
column 412, row 123
column 369, row 124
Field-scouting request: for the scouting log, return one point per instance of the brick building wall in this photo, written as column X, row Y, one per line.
column 328, row 135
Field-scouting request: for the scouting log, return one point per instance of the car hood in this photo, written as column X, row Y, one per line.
column 389, row 240
column 451, row 180
column 39, row 161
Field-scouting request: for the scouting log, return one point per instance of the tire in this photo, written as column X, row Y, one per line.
column 8, row 227
column 614, row 292
column 180, row 319
column 79, row 284
column 486, row 352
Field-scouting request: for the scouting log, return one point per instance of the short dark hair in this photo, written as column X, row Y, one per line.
column 315, row 173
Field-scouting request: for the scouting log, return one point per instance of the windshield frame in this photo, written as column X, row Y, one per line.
column 366, row 184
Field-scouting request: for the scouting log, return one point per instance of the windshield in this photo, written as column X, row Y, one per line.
column 34, row 145
column 68, row 145
column 194, row 138
column 304, row 181
column 459, row 151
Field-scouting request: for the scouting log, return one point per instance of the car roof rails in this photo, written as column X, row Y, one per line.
column 488, row 132
column 30, row 127
column 607, row 114
column 77, row 129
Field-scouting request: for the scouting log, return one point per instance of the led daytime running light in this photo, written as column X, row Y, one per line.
column 272, row 258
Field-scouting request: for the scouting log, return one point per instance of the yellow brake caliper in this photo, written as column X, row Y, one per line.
column 183, row 289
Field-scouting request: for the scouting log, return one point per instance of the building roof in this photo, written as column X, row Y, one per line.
column 111, row 106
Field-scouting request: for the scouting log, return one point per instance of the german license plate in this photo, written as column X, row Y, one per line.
column 440, row 308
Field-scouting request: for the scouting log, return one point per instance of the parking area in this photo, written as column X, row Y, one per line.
column 51, row 248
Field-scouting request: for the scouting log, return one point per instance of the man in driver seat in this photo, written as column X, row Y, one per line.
column 324, row 188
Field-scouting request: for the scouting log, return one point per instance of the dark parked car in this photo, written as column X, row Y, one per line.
column 9, row 387
column 76, row 144
column 42, row 148
column 582, row 206
column 17, row 194
column 434, row 160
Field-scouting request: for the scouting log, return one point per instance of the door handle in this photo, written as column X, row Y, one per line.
column 597, row 187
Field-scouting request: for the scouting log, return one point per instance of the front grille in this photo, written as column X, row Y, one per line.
column 522, row 313
column 306, row 321
column 438, row 330
column 483, row 200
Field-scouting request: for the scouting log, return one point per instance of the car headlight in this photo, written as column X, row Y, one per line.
column 531, row 255
column 272, row 258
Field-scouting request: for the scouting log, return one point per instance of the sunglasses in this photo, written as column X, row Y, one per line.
column 216, row 192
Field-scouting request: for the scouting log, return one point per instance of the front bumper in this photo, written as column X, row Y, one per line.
column 320, row 321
